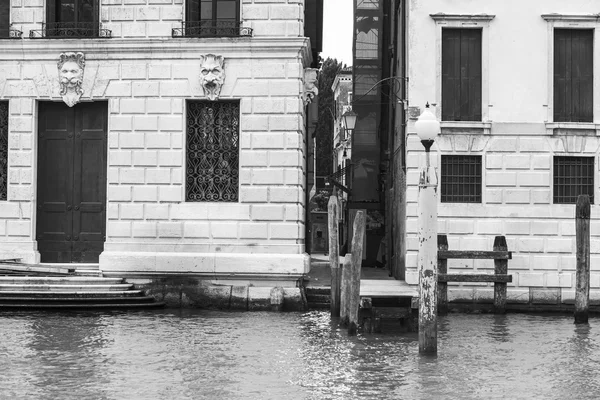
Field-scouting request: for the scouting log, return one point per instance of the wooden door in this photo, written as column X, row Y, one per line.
column 71, row 189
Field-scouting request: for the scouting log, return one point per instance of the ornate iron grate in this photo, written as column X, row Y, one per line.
column 212, row 151
column 573, row 176
column 66, row 30
column 3, row 149
column 10, row 33
column 211, row 28
column 461, row 179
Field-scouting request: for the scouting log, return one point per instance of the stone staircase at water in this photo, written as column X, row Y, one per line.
column 83, row 288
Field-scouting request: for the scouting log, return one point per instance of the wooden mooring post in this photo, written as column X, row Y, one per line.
column 500, row 268
column 355, row 267
column 442, row 241
column 334, row 253
column 582, row 234
column 345, row 289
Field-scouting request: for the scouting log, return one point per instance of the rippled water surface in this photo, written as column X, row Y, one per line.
column 172, row 354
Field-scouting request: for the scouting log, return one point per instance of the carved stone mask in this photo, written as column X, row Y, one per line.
column 70, row 74
column 212, row 75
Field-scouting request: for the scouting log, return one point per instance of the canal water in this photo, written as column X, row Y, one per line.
column 195, row 354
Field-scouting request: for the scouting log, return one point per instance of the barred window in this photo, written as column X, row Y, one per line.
column 461, row 179
column 3, row 149
column 573, row 176
column 212, row 151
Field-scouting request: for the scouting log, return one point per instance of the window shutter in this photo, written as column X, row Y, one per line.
column 573, row 75
column 583, row 75
column 4, row 18
column 470, row 77
column 461, row 74
column 192, row 10
column 450, row 74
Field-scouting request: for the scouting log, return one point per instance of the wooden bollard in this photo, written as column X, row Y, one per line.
column 277, row 296
column 582, row 234
column 345, row 289
column 442, row 241
column 500, row 268
column 334, row 254
column 357, row 251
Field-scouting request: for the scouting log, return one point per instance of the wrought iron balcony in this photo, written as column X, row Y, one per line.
column 67, row 30
column 342, row 178
column 10, row 33
column 210, row 28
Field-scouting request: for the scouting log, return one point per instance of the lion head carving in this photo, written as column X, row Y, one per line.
column 70, row 74
column 212, row 75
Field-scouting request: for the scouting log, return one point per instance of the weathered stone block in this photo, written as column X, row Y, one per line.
column 254, row 194
column 118, row 228
column 559, row 279
column 239, row 298
column 144, row 229
column 530, row 279
column 119, row 193
column 267, row 212
column 517, row 196
column 170, row 158
column 118, row 89
column 545, row 296
column 554, row 245
column 517, row 296
column 224, row 230
column 492, row 161
column 268, row 176
column 254, row 230
column 503, row 178
column 145, row 89
column 18, row 228
column 259, row 298
column 130, row 140
column 145, row 193
column 533, row 178
column 170, row 193
column 145, row 158
column 158, row 176
column 170, row 229
column 131, row 211
column 196, row 229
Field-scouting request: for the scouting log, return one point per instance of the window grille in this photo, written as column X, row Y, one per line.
column 461, row 179
column 212, row 151
column 573, row 176
column 3, row 149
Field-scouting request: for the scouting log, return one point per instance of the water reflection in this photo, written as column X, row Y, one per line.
column 192, row 354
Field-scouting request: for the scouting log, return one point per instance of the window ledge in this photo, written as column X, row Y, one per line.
column 571, row 17
column 472, row 127
column 461, row 17
column 586, row 128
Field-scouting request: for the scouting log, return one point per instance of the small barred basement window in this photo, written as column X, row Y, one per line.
column 573, row 176
column 461, row 179
column 212, row 172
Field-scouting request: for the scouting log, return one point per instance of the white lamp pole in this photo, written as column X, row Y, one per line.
column 427, row 128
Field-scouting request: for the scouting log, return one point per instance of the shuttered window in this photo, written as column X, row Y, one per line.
column 4, row 18
column 573, row 75
column 461, row 74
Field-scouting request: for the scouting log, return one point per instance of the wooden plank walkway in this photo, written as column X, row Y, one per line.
column 388, row 288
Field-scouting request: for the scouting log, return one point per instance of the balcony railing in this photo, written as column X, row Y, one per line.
column 211, row 28
column 342, row 178
column 10, row 33
column 67, row 30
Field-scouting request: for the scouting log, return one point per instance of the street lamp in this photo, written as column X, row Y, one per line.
column 427, row 128
column 349, row 118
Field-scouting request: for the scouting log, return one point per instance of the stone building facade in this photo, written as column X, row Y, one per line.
column 147, row 95
column 523, row 146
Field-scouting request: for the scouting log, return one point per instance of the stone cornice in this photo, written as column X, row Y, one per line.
column 571, row 17
column 462, row 17
column 127, row 49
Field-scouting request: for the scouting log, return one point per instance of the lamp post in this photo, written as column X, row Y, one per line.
column 427, row 128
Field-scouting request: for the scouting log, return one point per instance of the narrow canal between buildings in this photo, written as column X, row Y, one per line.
column 194, row 354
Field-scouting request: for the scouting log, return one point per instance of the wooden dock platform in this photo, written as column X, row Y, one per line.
column 388, row 288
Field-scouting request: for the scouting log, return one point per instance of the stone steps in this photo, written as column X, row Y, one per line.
column 71, row 292
column 317, row 297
